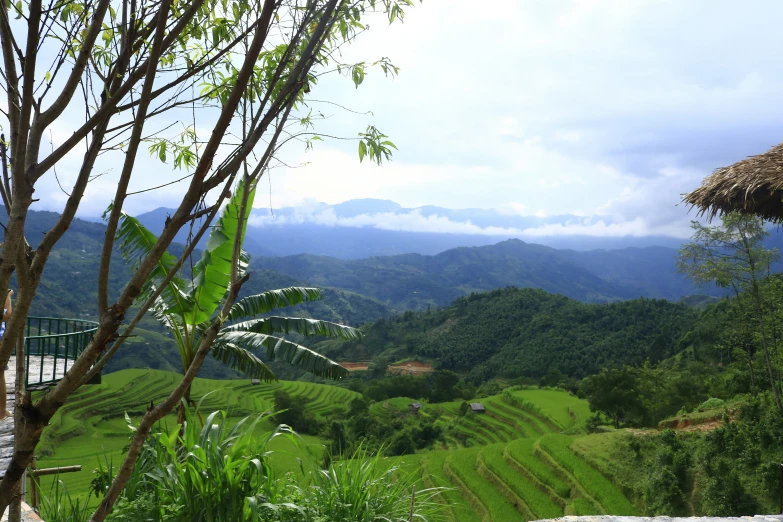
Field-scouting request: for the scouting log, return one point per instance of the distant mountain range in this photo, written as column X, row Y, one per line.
column 68, row 290
column 415, row 281
column 358, row 291
column 364, row 228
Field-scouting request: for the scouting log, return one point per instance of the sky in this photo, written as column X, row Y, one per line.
column 594, row 108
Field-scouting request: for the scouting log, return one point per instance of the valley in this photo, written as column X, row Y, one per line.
column 524, row 381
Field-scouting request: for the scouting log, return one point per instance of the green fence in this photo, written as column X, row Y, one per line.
column 51, row 344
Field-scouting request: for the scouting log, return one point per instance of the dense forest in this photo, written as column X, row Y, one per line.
column 516, row 332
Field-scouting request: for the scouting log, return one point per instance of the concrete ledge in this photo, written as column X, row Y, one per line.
column 28, row 515
column 611, row 518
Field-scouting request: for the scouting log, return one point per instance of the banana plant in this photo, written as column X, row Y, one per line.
column 187, row 308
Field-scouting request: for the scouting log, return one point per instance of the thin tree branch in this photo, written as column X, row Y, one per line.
column 130, row 159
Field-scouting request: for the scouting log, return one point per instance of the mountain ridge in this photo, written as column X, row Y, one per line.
column 416, row 281
column 361, row 228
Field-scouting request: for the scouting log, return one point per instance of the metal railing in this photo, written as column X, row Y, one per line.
column 51, row 343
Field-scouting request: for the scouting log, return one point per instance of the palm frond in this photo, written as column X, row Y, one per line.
column 160, row 312
column 299, row 325
column 280, row 349
column 241, row 360
column 135, row 241
column 163, row 315
column 212, row 274
column 267, row 301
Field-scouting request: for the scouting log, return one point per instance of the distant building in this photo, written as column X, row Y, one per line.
column 414, row 407
column 255, row 381
column 477, row 407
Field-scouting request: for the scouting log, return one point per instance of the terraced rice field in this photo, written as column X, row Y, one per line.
column 518, row 465
column 512, row 463
column 92, row 426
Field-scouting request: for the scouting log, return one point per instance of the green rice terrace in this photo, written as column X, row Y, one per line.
column 515, row 461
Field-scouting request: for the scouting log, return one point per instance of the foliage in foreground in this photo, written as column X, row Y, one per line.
column 223, row 471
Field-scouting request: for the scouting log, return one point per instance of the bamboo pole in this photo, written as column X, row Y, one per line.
column 54, row 471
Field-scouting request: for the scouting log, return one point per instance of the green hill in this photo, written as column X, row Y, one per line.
column 524, row 332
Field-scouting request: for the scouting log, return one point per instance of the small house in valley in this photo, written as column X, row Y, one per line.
column 477, row 407
column 414, row 407
column 255, row 381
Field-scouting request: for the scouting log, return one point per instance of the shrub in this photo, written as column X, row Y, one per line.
column 711, row 404
column 292, row 411
column 663, row 495
column 725, row 496
column 214, row 472
column 218, row 472
column 594, row 423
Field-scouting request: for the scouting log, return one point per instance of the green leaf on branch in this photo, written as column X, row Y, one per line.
column 357, row 74
column 373, row 143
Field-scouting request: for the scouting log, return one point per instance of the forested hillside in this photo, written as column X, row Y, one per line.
column 525, row 332
column 68, row 290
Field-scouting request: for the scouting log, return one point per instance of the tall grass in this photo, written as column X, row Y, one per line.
column 223, row 472
column 366, row 489
column 212, row 473
column 59, row 506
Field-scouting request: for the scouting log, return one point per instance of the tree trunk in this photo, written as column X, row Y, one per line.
column 15, row 509
column 770, row 370
column 748, row 342
column 183, row 405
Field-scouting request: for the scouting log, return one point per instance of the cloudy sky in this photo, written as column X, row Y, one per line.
column 539, row 107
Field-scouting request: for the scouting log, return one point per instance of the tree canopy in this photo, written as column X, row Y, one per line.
column 211, row 89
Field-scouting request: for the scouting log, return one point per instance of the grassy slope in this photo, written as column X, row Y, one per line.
column 597, row 485
column 564, row 410
column 92, row 425
column 509, row 476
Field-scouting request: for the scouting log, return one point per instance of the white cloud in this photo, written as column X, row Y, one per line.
column 590, row 107
column 415, row 221
column 411, row 222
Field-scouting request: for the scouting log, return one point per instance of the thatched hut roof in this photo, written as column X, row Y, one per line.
column 751, row 186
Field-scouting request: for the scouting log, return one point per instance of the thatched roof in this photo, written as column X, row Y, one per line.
column 751, row 186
